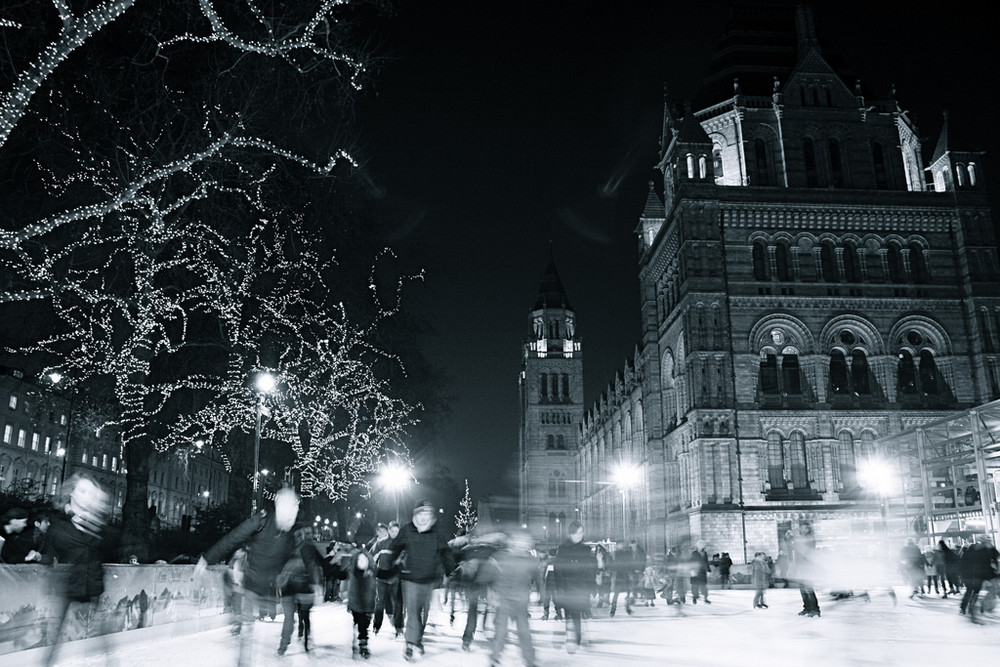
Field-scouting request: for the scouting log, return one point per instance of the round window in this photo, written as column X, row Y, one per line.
column 914, row 338
column 847, row 337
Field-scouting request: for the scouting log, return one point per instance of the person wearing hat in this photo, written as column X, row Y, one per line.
column 426, row 557
column 16, row 543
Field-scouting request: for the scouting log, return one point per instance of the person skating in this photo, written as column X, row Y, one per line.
column 802, row 566
column 299, row 586
column 426, row 559
column 760, row 575
column 575, row 568
column 516, row 571
column 699, row 573
column 361, row 592
column 388, row 599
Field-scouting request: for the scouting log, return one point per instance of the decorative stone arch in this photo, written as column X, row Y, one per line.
column 667, row 368
column 914, row 238
column 792, row 332
column 852, row 237
column 758, row 235
column 934, row 337
column 867, row 336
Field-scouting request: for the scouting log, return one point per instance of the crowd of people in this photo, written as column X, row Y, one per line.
column 394, row 578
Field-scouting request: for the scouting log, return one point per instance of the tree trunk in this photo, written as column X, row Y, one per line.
column 136, row 535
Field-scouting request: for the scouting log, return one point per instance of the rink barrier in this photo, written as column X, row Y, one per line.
column 135, row 597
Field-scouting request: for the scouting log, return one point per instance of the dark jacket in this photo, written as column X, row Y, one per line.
column 268, row 549
column 82, row 551
column 978, row 562
column 575, row 568
column 301, row 573
column 17, row 547
column 361, row 585
column 386, row 568
column 426, row 556
column 517, row 570
column 699, row 566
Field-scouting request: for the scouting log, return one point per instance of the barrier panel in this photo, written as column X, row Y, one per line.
column 135, row 596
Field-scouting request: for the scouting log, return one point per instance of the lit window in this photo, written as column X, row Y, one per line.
column 702, row 167
column 48, row 444
column 972, row 173
column 12, row 403
column 8, row 434
column 690, row 165
column 21, row 438
column 35, row 440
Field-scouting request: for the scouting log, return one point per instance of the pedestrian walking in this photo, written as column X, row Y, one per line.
column 575, row 566
column 516, row 571
column 388, row 596
column 621, row 567
column 760, row 575
column 269, row 541
column 699, row 573
column 426, row 558
column 951, row 569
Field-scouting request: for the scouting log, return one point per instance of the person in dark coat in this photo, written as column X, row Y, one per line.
column 299, row 586
column 979, row 563
column 75, row 538
column 361, row 591
column 270, row 544
column 621, row 569
column 17, row 544
column 951, row 569
column 699, row 573
column 423, row 546
column 388, row 599
column 725, row 567
column 575, row 568
column 516, row 571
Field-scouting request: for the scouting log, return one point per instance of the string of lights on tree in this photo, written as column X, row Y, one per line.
column 467, row 518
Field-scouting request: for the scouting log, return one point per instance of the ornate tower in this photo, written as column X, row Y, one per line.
column 551, row 409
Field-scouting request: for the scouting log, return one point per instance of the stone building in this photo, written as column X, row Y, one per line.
column 810, row 283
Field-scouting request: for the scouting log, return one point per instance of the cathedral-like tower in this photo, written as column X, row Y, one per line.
column 809, row 286
column 551, row 409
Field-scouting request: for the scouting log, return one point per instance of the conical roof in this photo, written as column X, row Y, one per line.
column 551, row 293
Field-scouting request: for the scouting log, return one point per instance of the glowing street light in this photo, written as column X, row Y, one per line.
column 395, row 478
column 877, row 476
column 626, row 476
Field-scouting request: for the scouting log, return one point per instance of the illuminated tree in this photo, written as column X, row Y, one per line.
column 467, row 518
column 163, row 234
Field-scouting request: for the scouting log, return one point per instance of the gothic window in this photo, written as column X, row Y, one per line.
column 690, row 166
column 775, row 461
column 895, row 261
column 928, row 373
column 797, row 460
column 984, row 330
column 836, row 166
column 859, row 373
column 560, row 442
column 554, row 385
column 846, row 460
column 867, row 452
column 828, row 262
column 565, row 386
column 702, row 167
column 544, row 390
column 918, row 264
column 554, row 329
column 759, row 260
column 906, row 373
column 781, row 262
column 809, row 151
column 769, row 374
column 960, row 175
column 852, row 272
column 878, row 159
column 971, row 168
column 761, row 162
column 838, row 373
column 790, row 374
column 717, row 163
column 550, row 441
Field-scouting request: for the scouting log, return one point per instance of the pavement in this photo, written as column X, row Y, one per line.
column 919, row 631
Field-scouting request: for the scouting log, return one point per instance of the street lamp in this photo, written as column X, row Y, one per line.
column 626, row 476
column 395, row 478
column 55, row 377
column 877, row 476
column 265, row 385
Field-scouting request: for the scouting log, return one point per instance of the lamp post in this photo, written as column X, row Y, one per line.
column 55, row 377
column 626, row 476
column 265, row 385
column 877, row 476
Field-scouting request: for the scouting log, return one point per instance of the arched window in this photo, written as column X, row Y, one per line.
column 775, row 461
column 702, row 167
column 717, row 163
column 960, row 175
column 838, row 373
column 971, row 168
column 690, row 166
column 846, row 461
column 878, row 159
column 928, row 373
column 769, row 374
column 852, row 272
column 906, row 374
column 797, row 460
column 781, row 262
column 761, row 162
column 560, row 442
column 550, row 442
column 836, row 166
column 867, row 451
column 790, row 374
column 895, row 261
column 859, row 373
column 809, row 152
column 918, row 265
column 828, row 262
column 544, row 386
column 760, row 260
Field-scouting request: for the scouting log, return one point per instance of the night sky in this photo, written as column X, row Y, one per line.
column 499, row 132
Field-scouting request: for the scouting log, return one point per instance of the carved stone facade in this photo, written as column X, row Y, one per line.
column 809, row 284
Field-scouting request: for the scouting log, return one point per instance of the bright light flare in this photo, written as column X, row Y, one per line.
column 265, row 382
column 627, row 476
column 877, row 476
column 395, row 477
